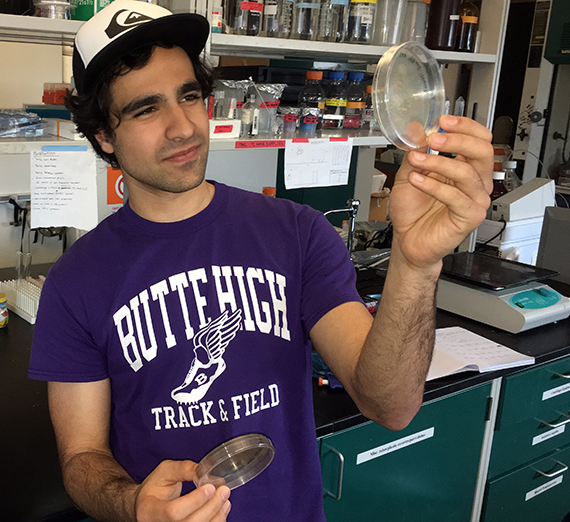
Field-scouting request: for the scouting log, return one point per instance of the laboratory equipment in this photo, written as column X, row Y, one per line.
column 271, row 18
column 554, row 247
column 248, row 18
column 333, row 20
column 235, row 462
column 285, row 17
column 217, row 16
column 414, row 29
column 527, row 201
column 499, row 188
column 313, row 95
column 335, row 102
column 467, row 31
column 305, row 20
column 443, row 20
column 355, row 101
column 408, row 95
column 361, row 21
column 512, row 181
column 250, row 117
column 390, row 18
column 505, row 294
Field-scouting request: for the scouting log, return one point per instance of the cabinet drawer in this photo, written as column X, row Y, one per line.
column 426, row 472
column 514, row 445
column 536, row 393
column 539, row 491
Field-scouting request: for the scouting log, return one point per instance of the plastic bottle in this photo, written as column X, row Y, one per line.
column 271, row 18
column 467, row 31
column 249, row 17
column 368, row 120
column 313, row 94
column 361, row 21
column 3, row 310
column 512, row 181
column 285, row 17
column 250, row 117
column 305, row 19
column 499, row 188
column 217, row 16
column 333, row 21
column 335, row 102
column 355, row 101
column 443, row 21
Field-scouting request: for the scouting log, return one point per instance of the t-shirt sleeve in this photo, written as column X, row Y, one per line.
column 62, row 348
column 329, row 277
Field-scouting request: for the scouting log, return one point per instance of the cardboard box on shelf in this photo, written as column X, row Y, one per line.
column 379, row 206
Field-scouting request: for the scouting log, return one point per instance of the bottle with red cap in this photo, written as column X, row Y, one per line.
column 313, row 94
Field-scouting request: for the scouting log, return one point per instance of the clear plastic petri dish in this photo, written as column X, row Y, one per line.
column 235, row 462
column 408, row 95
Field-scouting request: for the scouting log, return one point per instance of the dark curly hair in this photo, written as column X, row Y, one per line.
column 91, row 111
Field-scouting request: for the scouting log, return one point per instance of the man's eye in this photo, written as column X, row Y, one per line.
column 145, row 111
column 191, row 96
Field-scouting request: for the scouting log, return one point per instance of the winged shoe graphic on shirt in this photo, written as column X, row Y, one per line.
column 210, row 343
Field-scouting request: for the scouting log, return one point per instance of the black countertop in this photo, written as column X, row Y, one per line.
column 31, row 488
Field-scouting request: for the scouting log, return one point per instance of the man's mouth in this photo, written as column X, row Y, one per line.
column 183, row 156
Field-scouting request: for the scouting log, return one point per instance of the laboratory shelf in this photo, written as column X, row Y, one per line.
column 361, row 138
column 280, row 48
column 32, row 29
column 27, row 145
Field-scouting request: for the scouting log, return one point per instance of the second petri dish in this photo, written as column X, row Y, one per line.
column 235, row 462
column 408, row 95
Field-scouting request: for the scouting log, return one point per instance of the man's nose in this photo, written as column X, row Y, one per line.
column 179, row 124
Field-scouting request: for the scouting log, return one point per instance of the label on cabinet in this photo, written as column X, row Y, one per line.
column 548, row 435
column 394, row 446
column 554, row 392
column 541, row 489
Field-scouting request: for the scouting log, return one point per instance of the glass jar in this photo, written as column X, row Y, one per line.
column 305, row 20
column 335, row 102
column 361, row 21
column 355, row 101
column 248, row 18
column 467, row 31
column 333, row 21
column 313, row 94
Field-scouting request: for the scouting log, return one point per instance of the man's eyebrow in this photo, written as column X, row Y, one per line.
column 139, row 103
column 189, row 86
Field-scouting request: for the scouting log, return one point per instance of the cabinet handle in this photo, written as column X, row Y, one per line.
column 557, row 424
column 563, row 375
column 555, row 473
column 340, row 475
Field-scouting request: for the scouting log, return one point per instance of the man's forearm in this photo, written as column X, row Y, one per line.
column 100, row 487
column 395, row 358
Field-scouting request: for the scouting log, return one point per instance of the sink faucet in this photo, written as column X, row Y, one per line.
column 352, row 210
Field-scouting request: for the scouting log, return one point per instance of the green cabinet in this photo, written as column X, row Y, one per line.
column 528, row 477
column 426, row 472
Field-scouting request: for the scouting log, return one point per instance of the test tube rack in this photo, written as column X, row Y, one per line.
column 23, row 297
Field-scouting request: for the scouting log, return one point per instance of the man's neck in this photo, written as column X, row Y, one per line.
column 167, row 207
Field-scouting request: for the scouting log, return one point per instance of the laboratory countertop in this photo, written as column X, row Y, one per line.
column 31, row 488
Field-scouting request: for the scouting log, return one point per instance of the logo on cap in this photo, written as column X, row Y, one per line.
column 122, row 22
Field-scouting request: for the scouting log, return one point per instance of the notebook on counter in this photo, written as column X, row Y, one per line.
column 459, row 350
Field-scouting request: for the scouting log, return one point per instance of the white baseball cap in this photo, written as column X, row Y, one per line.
column 125, row 25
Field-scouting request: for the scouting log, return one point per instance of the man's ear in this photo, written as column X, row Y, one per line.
column 104, row 142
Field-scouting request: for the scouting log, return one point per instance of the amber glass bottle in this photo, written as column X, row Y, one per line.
column 467, row 31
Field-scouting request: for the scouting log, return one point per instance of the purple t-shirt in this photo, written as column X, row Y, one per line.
column 203, row 327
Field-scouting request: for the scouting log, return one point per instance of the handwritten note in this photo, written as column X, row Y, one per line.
column 63, row 189
column 459, row 350
column 317, row 163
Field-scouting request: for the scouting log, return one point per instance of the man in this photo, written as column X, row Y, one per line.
column 186, row 319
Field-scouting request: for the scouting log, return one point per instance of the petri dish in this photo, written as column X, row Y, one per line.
column 235, row 462
column 408, row 95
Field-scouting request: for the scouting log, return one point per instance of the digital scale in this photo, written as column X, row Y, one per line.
column 498, row 292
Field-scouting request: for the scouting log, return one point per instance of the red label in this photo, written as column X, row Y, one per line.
column 339, row 139
column 300, row 140
column 251, row 6
column 310, row 119
column 270, row 104
column 239, row 105
column 262, row 144
column 290, row 117
column 222, row 129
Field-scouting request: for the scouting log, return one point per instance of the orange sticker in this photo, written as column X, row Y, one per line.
column 114, row 186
